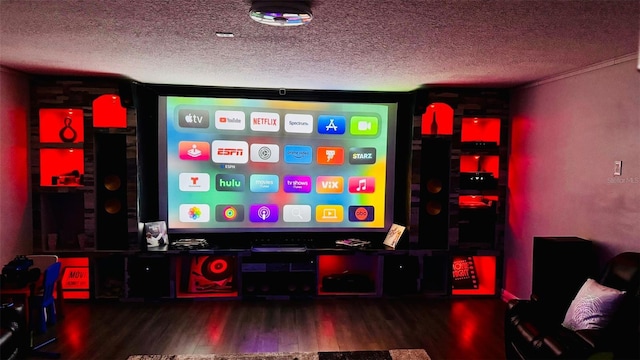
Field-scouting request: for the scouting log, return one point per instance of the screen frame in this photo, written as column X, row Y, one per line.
column 151, row 184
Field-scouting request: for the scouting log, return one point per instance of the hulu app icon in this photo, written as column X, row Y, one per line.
column 363, row 125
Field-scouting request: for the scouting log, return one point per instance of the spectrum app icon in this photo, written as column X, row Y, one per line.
column 229, row 213
column 194, row 182
column 363, row 125
column 262, row 213
column 194, row 213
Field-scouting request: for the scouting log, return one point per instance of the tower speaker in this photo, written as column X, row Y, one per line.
column 560, row 266
column 434, row 193
column 111, row 191
column 401, row 274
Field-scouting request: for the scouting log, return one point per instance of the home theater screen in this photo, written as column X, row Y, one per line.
column 241, row 164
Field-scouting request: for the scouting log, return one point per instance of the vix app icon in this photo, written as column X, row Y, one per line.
column 261, row 213
column 190, row 118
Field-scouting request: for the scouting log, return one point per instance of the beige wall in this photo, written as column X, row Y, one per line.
column 565, row 136
column 16, row 230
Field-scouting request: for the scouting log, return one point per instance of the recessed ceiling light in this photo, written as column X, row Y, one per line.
column 224, row 34
column 281, row 13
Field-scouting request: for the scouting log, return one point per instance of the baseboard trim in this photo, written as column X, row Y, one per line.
column 506, row 296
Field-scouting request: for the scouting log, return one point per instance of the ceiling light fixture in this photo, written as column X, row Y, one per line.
column 281, row 13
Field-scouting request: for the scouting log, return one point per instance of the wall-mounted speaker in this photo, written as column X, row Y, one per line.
column 111, row 191
column 434, row 193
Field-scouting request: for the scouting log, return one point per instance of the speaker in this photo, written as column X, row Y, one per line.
column 211, row 274
column 560, row 266
column 436, row 270
column 401, row 274
column 477, row 226
column 149, row 277
column 434, row 193
column 111, row 191
column 128, row 92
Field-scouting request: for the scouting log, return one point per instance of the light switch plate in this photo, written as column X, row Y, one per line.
column 617, row 169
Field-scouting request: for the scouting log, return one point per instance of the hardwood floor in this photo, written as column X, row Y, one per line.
column 445, row 328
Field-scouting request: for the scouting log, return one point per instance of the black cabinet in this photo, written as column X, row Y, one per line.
column 560, row 266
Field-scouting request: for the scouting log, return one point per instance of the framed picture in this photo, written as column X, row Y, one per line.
column 156, row 238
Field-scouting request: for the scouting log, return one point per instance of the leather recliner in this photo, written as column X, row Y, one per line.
column 531, row 332
column 13, row 331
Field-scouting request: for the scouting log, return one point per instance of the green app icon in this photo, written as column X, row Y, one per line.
column 364, row 125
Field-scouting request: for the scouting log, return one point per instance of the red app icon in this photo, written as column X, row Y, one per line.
column 330, row 155
column 194, row 150
column 362, row 184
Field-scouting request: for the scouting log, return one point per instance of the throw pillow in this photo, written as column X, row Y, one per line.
column 593, row 306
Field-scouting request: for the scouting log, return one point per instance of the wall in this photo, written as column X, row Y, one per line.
column 565, row 136
column 15, row 197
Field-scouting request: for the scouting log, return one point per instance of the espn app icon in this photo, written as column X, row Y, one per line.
column 230, row 152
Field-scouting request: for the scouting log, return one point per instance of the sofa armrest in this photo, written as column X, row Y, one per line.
column 529, row 329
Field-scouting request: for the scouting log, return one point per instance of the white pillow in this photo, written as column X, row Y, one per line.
column 593, row 306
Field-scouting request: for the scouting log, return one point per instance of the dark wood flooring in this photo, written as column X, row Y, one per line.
column 445, row 328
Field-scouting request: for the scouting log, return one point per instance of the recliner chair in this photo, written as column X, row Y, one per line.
column 532, row 333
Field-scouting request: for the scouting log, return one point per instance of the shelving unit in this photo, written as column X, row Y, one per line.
column 61, row 178
column 469, row 218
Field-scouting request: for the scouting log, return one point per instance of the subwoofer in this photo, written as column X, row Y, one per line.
column 111, row 191
column 211, row 274
column 434, row 193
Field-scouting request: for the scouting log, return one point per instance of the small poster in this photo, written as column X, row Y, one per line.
column 156, row 236
column 394, row 234
column 464, row 273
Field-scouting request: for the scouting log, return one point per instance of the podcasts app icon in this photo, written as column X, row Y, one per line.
column 229, row 213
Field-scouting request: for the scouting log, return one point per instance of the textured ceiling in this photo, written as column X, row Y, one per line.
column 349, row 45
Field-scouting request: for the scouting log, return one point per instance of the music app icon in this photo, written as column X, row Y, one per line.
column 362, row 184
